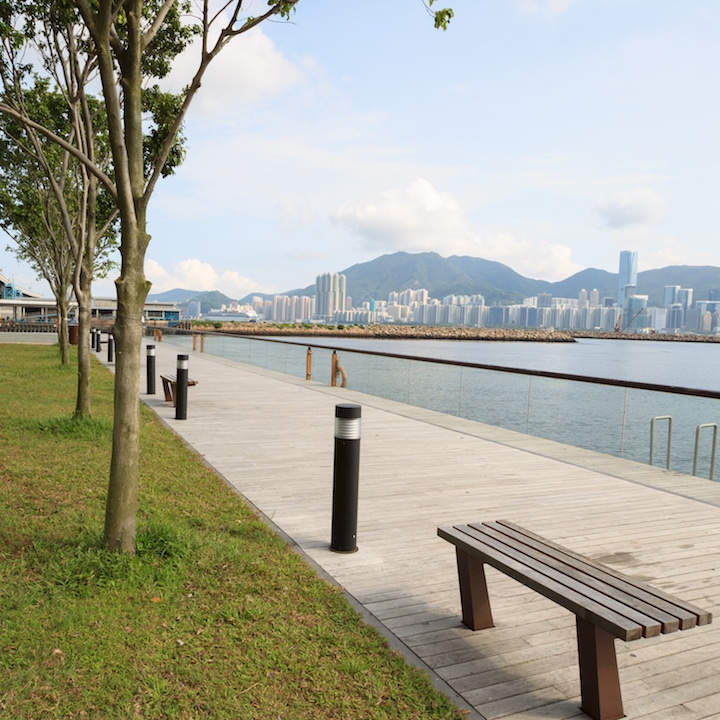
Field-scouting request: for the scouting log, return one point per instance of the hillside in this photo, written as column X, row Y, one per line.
column 462, row 275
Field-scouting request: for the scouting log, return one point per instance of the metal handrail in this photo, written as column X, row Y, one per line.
column 700, row 427
column 655, row 387
column 669, row 437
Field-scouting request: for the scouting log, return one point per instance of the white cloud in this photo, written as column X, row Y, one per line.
column 192, row 274
column 546, row 261
column 640, row 206
column 415, row 219
column 246, row 71
column 420, row 219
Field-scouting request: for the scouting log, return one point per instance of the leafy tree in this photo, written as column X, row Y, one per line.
column 133, row 43
column 44, row 205
column 49, row 124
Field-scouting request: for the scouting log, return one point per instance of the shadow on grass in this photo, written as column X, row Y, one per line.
column 79, row 566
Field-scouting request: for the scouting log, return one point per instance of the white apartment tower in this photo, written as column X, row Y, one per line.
column 330, row 294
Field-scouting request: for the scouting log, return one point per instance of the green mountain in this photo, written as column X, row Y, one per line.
column 462, row 275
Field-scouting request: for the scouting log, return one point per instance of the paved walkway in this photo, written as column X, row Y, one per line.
column 271, row 438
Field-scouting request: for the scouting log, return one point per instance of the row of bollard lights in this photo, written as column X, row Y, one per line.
column 346, row 461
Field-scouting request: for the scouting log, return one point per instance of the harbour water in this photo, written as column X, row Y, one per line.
column 609, row 419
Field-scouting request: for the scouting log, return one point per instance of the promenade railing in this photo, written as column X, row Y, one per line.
column 614, row 417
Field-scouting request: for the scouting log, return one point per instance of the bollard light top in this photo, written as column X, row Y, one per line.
column 348, row 411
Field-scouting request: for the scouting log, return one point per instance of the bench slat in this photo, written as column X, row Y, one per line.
column 538, row 561
column 595, row 612
column 623, row 589
column 688, row 614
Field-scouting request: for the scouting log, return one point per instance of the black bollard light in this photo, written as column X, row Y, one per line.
column 181, row 387
column 111, row 348
column 150, row 369
column 98, row 340
column 346, row 471
column 93, row 339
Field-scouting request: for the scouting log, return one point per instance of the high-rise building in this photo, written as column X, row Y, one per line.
column 670, row 295
column 330, row 294
column 627, row 274
column 685, row 298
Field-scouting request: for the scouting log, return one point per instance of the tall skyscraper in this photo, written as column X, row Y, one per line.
column 670, row 295
column 627, row 275
column 330, row 294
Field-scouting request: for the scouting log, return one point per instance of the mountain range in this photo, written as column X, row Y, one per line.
column 462, row 275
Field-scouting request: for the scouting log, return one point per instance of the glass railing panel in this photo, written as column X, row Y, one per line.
column 495, row 398
column 581, row 414
column 687, row 412
column 386, row 377
column 435, row 386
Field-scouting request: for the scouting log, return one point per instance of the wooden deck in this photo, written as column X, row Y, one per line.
column 271, row 437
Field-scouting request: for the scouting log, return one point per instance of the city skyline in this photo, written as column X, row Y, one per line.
column 543, row 134
column 590, row 310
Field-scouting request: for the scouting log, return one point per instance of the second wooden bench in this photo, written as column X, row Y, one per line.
column 607, row 604
column 170, row 387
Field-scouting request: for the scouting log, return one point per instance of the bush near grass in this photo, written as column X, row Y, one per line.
column 214, row 617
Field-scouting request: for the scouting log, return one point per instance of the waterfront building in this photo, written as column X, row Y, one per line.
column 627, row 274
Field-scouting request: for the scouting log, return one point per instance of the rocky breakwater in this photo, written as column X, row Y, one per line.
column 388, row 332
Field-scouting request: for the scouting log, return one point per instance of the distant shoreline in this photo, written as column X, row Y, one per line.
column 433, row 332
column 389, row 332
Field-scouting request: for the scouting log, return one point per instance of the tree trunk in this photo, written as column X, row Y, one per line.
column 121, row 509
column 62, row 330
column 84, row 298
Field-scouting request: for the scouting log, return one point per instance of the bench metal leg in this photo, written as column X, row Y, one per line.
column 166, row 389
column 599, row 680
column 474, row 596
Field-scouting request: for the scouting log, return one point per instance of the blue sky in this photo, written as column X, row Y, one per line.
column 545, row 134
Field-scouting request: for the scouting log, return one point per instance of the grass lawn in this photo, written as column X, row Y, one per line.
column 215, row 617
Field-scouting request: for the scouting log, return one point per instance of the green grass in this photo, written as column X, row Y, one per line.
column 215, row 617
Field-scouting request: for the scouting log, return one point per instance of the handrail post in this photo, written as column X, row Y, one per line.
column 333, row 369
column 714, row 426
column 308, row 364
column 669, row 437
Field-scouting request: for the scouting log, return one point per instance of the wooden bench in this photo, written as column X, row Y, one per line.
column 170, row 387
column 607, row 604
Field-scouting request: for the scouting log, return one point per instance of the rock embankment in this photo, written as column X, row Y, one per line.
column 662, row 337
column 406, row 332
